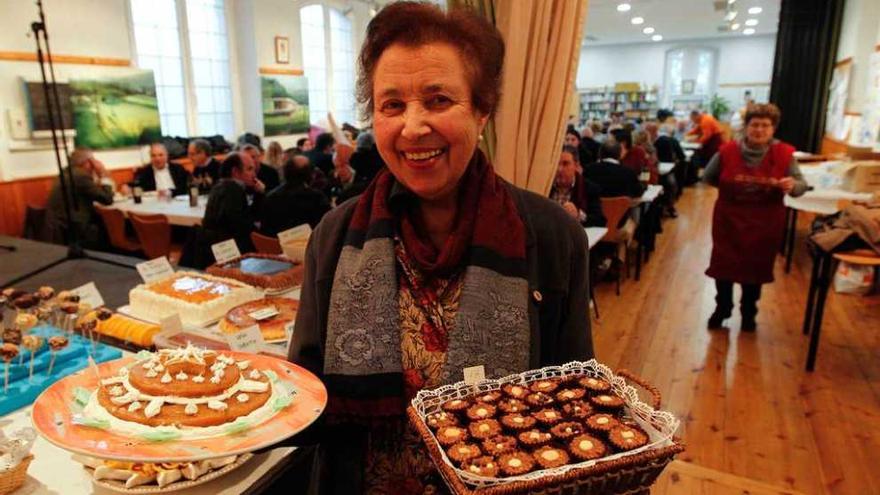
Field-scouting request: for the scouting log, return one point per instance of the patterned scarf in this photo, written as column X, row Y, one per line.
column 362, row 365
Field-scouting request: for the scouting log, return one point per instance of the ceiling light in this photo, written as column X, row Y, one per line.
column 657, row 37
column 637, row 20
column 624, row 7
column 748, row 31
column 734, row 26
column 730, row 2
column 755, row 10
column 648, row 30
column 730, row 15
column 752, row 22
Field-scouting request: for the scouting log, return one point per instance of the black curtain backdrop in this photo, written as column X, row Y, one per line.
column 806, row 46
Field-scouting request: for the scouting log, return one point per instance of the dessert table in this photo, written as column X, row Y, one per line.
column 178, row 211
column 647, row 222
column 21, row 257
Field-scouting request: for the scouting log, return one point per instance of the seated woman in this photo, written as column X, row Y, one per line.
column 634, row 157
column 439, row 265
column 577, row 196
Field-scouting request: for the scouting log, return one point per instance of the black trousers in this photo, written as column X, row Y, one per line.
column 748, row 304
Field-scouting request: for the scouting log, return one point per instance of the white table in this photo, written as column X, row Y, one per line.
column 594, row 235
column 666, row 167
column 691, row 145
column 652, row 192
column 178, row 211
column 823, row 201
column 688, row 154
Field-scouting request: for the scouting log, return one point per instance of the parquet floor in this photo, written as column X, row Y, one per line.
column 748, row 408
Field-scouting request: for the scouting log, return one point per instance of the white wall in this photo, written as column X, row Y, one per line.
column 859, row 33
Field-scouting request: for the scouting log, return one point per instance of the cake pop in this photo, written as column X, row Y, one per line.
column 11, row 293
column 87, row 325
column 25, row 301
column 45, row 293
column 32, row 343
column 7, row 352
column 12, row 336
column 56, row 343
column 25, row 321
column 103, row 314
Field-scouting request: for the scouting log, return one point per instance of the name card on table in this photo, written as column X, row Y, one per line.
column 288, row 332
column 264, row 313
column 474, row 374
column 297, row 233
column 171, row 324
column 89, row 294
column 248, row 340
column 155, row 270
column 225, row 251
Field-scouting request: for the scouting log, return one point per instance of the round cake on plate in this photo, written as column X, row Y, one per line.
column 272, row 314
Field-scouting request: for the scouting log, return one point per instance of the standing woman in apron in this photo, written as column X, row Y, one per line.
column 752, row 176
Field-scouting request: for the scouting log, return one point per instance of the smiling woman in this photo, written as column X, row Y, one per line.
column 440, row 264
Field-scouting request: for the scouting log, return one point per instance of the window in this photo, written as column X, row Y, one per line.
column 328, row 63
column 689, row 78
column 184, row 42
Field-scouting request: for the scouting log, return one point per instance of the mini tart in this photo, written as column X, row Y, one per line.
column 463, row 452
column 456, row 405
column 550, row 457
column 625, row 437
column 499, row 444
column 440, row 419
column 570, row 394
column 485, row 466
column 567, row 429
column 491, row 397
column 534, row 438
column 539, row 399
column 548, row 416
column 578, row 409
column 595, row 385
column 515, row 391
column 607, row 402
column 484, row 428
column 544, row 386
column 449, row 435
column 510, row 405
column 518, row 422
column 585, row 447
column 516, row 463
column 481, row 410
column 601, row 423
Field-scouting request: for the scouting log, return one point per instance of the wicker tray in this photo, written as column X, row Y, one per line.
column 625, row 473
column 13, row 479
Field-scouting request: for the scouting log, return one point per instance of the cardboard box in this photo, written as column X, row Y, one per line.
column 862, row 176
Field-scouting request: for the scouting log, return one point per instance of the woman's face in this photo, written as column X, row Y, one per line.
column 572, row 140
column 425, row 124
column 759, row 131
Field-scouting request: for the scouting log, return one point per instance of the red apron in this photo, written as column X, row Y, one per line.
column 749, row 218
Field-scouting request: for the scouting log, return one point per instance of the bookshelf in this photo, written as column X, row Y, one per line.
column 629, row 99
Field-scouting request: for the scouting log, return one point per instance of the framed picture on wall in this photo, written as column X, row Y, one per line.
column 687, row 86
column 282, row 50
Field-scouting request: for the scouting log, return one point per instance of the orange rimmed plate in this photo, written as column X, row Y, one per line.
column 54, row 410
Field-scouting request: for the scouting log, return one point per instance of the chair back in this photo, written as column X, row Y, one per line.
column 266, row 244
column 154, row 233
column 614, row 209
column 114, row 224
column 35, row 227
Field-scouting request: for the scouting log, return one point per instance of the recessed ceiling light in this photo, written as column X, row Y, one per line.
column 637, row 20
column 748, row 31
column 755, row 10
column 624, row 7
column 734, row 26
column 648, row 30
column 752, row 22
column 730, row 15
column 657, row 37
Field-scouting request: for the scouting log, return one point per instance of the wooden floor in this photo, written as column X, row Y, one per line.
column 748, row 408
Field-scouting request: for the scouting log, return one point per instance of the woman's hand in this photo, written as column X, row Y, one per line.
column 786, row 184
column 571, row 209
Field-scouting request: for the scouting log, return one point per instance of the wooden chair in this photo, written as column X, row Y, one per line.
column 614, row 209
column 114, row 223
column 266, row 244
column 154, row 233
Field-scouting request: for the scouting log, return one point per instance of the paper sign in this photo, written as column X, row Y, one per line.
column 474, row 374
column 264, row 313
column 155, row 270
column 297, row 233
column 171, row 324
column 225, row 251
column 248, row 340
column 89, row 294
column 288, row 331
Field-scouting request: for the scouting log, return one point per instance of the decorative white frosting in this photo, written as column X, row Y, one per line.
column 242, row 398
column 198, row 379
column 215, row 379
column 111, row 381
column 116, row 391
column 181, row 376
column 153, row 408
column 191, row 409
column 151, row 374
column 134, row 406
column 217, row 405
column 254, row 374
column 243, row 365
column 252, row 386
column 166, row 378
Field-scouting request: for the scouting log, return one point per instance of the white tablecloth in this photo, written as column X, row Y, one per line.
column 665, row 167
column 178, row 210
column 823, row 201
column 690, row 145
column 650, row 194
column 595, row 234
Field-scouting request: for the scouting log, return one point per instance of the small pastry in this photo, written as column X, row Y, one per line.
column 484, row 428
column 103, row 314
column 12, row 336
column 499, row 444
column 607, row 402
column 516, row 463
column 8, row 351
column 585, row 447
column 577, row 409
column 567, row 429
column 539, row 399
column 518, row 422
column 570, row 394
column 511, row 405
column 450, row 435
column 544, row 386
column 548, row 416
column 485, row 466
column 595, row 385
column 550, row 457
column 58, row 342
column 45, row 293
column 11, row 294
column 626, row 437
column 490, row 397
column 440, row 419
column 601, row 423
column 534, row 438
column 26, row 321
column 68, row 296
column 515, row 391
column 456, row 405
column 32, row 342
column 463, row 452
column 70, row 308
column 25, row 301
column 481, row 411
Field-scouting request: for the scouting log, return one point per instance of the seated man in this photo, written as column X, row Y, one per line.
column 88, row 174
column 265, row 172
column 295, row 202
column 229, row 213
column 206, row 171
column 160, row 174
column 321, row 156
column 613, row 178
column 579, row 197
